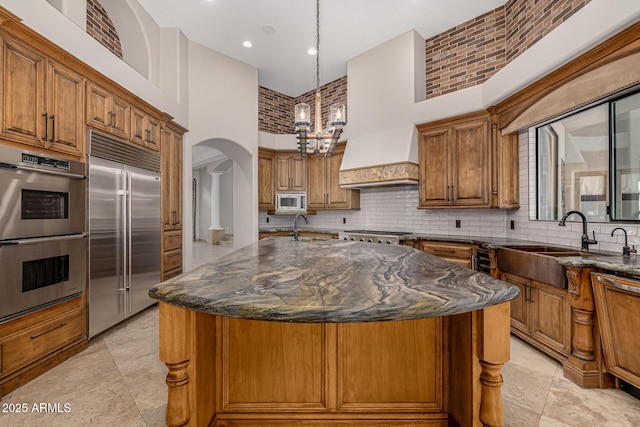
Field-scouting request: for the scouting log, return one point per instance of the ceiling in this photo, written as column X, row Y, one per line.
column 282, row 31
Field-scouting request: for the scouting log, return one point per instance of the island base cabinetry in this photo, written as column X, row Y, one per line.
column 442, row 371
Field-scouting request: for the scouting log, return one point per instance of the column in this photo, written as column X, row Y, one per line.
column 215, row 233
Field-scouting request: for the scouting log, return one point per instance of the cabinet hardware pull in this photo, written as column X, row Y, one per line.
column 33, row 337
column 619, row 285
column 448, row 192
column 46, row 126
column 526, row 293
column 531, row 294
column 53, row 127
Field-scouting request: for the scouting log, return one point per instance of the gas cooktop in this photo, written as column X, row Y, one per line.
column 378, row 233
column 373, row 236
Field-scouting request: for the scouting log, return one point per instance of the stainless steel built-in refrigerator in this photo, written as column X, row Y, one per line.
column 124, row 230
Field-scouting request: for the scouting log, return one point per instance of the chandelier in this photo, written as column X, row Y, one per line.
column 319, row 141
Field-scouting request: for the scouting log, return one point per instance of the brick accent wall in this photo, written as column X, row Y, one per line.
column 100, row 27
column 470, row 53
column 276, row 110
column 529, row 21
column 465, row 55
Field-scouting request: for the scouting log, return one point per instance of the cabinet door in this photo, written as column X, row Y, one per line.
column 283, row 173
column 23, row 95
column 298, row 173
column 121, row 117
column 337, row 198
column 266, row 195
column 65, row 99
column 138, row 126
column 316, row 190
column 98, row 107
column 434, row 170
column 176, row 181
column 519, row 305
column 471, row 163
column 550, row 317
column 153, row 136
column 171, row 180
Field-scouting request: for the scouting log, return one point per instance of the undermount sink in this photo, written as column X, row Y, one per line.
column 537, row 262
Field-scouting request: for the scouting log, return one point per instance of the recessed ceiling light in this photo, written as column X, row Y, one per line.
column 268, row 29
column 247, row 44
column 312, row 51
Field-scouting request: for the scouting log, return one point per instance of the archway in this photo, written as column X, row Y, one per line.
column 215, row 152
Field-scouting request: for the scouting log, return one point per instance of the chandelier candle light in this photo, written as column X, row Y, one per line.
column 321, row 141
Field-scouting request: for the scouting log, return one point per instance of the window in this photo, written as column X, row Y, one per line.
column 585, row 157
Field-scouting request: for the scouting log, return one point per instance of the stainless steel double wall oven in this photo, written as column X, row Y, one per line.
column 43, row 243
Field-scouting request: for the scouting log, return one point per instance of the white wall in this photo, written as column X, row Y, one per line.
column 226, row 197
column 382, row 107
column 223, row 111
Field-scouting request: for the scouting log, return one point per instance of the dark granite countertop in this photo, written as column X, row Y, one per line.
column 617, row 263
column 332, row 281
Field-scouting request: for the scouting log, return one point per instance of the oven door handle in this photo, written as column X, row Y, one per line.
column 32, row 169
column 43, row 239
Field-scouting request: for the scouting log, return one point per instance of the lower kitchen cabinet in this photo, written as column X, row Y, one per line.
column 541, row 315
column 459, row 253
column 33, row 344
column 617, row 302
column 171, row 254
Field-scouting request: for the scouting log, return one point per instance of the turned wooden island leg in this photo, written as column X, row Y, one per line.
column 174, row 345
column 494, row 352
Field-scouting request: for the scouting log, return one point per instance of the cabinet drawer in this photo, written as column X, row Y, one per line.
column 172, row 259
column 23, row 347
column 172, row 240
column 172, row 273
column 447, row 250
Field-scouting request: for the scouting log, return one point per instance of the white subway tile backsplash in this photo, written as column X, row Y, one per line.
column 395, row 209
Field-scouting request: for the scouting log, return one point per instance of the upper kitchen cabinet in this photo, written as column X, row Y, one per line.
column 108, row 112
column 464, row 163
column 291, row 171
column 323, row 188
column 42, row 100
column 266, row 168
column 145, row 129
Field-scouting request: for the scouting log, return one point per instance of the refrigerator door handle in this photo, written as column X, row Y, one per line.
column 125, row 246
column 129, row 239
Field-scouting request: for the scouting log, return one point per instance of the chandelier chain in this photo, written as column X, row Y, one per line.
column 317, row 46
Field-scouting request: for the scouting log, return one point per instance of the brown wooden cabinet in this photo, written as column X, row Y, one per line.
column 266, row 185
column 171, row 154
column 459, row 253
column 108, row 112
column 465, row 164
column 323, row 188
column 541, row 315
column 42, row 101
column 617, row 302
column 32, row 344
column 291, row 171
column 145, row 129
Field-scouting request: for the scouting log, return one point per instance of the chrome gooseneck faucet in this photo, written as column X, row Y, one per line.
column 586, row 241
column 626, row 250
column 294, row 233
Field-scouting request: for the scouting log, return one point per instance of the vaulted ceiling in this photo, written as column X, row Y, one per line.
column 282, row 31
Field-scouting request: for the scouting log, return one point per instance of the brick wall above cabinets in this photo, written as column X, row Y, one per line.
column 101, row 28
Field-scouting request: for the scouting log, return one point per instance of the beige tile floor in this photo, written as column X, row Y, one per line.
column 119, row 381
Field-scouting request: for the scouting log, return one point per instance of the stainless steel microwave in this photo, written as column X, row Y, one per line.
column 291, row 202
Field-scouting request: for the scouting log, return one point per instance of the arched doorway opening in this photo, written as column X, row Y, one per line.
column 234, row 210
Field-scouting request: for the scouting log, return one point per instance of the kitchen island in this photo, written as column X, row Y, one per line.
column 333, row 333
